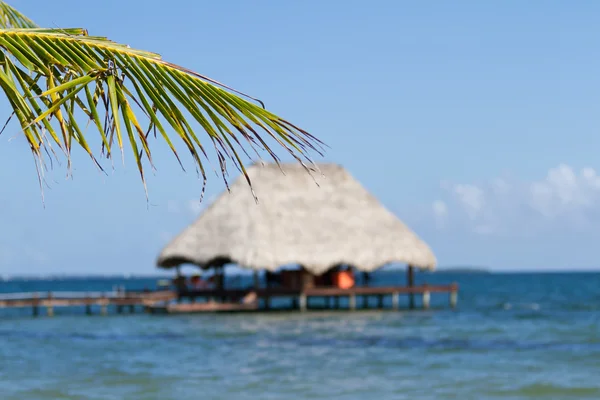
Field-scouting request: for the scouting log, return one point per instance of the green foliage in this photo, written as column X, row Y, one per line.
column 54, row 78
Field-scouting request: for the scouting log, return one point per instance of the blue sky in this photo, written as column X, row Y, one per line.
column 475, row 122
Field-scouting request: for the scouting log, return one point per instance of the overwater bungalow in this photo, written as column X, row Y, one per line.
column 325, row 223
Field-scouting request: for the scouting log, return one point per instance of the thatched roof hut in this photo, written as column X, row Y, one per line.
column 297, row 221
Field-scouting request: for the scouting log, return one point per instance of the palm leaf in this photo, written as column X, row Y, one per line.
column 52, row 76
column 11, row 18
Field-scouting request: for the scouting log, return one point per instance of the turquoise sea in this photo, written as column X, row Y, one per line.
column 513, row 336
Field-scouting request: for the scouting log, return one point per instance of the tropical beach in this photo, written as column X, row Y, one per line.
column 293, row 200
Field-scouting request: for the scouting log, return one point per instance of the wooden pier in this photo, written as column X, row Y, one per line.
column 231, row 300
column 51, row 300
column 234, row 300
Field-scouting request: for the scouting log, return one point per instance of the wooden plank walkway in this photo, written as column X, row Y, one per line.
column 228, row 300
column 50, row 300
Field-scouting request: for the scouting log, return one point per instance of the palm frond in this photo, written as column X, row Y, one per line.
column 53, row 77
column 11, row 18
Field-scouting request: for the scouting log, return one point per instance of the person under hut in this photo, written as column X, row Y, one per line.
column 198, row 283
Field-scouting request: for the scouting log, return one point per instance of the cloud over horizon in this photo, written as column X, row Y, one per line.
column 564, row 199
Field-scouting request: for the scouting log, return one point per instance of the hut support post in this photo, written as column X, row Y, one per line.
column 410, row 279
column 396, row 300
column 36, row 310
column 220, row 272
column 352, row 302
column 88, row 309
column 256, row 280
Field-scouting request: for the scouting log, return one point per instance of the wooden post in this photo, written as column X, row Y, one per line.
column 36, row 302
column 221, row 281
column 336, row 302
column 380, row 301
column 396, row 300
column 453, row 296
column 302, row 302
column 132, row 308
column 50, row 309
column 104, row 306
column 426, row 299
column 119, row 309
column 410, row 280
column 352, row 302
column 256, row 280
column 88, row 309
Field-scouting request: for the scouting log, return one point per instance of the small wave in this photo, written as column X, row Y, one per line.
column 551, row 390
column 444, row 344
column 87, row 336
column 522, row 306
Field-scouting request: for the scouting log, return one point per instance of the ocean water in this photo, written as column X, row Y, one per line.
column 513, row 336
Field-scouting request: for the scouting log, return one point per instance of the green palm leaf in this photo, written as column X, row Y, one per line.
column 53, row 77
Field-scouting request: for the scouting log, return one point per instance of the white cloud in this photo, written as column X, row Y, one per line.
column 196, row 207
column 471, row 198
column 564, row 194
column 564, row 191
column 440, row 212
column 193, row 207
column 440, row 209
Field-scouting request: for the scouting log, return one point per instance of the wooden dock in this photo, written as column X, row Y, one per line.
column 50, row 300
column 230, row 300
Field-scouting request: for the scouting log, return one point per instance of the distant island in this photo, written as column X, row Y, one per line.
column 465, row 270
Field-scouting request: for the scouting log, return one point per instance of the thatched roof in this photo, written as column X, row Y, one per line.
column 297, row 222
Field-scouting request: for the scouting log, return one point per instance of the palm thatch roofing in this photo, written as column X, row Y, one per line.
column 314, row 220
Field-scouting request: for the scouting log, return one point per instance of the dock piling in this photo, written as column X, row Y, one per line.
column 453, row 297
column 395, row 300
column 352, row 302
column 49, row 308
column 302, row 302
column 426, row 299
